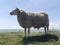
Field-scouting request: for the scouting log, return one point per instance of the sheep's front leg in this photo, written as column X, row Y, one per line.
column 47, row 29
column 25, row 32
column 28, row 32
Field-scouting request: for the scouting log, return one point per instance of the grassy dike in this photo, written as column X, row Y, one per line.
column 17, row 38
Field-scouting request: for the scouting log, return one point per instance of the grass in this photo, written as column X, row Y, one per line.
column 16, row 38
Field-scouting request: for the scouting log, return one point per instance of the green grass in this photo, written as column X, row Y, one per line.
column 16, row 38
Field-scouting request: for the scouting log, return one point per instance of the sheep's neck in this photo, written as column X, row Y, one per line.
column 21, row 17
column 22, row 20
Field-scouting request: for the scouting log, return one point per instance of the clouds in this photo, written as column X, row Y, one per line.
column 55, row 25
column 10, row 27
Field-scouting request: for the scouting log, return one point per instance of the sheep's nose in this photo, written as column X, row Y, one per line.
column 10, row 13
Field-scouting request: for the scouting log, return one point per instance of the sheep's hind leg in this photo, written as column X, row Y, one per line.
column 45, row 29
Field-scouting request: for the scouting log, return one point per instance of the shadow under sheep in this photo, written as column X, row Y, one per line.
column 42, row 38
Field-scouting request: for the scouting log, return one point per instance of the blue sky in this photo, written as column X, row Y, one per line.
column 52, row 7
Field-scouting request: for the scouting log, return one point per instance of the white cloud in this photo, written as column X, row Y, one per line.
column 55, row 25
column 11, row 27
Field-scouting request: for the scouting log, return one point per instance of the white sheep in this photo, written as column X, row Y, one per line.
column 31, row 19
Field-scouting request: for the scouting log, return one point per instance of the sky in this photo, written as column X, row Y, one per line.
column 52, row 7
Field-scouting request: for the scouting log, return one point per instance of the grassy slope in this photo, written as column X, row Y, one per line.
column 15, row 38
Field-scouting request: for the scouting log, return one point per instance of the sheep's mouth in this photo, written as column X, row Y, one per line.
column 10, row 13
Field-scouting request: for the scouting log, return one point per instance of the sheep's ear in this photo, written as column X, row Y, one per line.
column 17, row 8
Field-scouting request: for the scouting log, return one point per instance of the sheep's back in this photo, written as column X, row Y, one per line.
column 38, row 19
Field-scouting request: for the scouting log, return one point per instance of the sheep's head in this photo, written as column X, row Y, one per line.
column 15, row 12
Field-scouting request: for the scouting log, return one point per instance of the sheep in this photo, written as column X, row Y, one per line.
column 31, row 19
